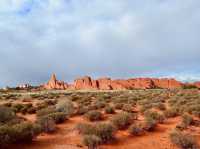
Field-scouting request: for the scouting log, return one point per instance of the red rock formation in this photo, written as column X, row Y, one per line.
column 197, row 84
column 85, row 83
column 104, row 84
column 167, row 83
column 142, row 83
column 55, row 84
column 108, row 84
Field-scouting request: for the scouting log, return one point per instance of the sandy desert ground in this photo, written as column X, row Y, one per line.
column 159, row 113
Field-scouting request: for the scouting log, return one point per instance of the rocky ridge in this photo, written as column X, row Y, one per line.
column 87, row 82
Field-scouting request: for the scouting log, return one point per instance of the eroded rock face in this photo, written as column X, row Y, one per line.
column 167, row 83
column 55, row 84
column 197, row 84
column 85, row 83
column 108, row 84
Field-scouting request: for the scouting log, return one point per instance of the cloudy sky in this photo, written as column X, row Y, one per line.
column 116, row 38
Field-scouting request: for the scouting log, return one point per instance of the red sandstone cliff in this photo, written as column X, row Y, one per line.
column 55, row 84
column 197, row 84
column 108, row 84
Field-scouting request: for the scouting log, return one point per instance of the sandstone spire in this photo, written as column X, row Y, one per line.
column 53, row 83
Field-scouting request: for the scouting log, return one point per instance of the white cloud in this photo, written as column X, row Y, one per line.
column 119, row 38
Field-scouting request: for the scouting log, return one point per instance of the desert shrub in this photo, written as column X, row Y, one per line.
column 189, row 86
column 92, row 107
column 85, row 129
column 25, row 108
column 160, row 106
column 187, row 119
column 25, row 132
column 81, row 110
column 50, row 102
column 119, row 106
column 58, row 117
column 91, row 141
column 17, row 107
column 196, row 113
column 47, row 124
column 7, row 104
column 127, row 108
column 144, row 108
column 172, row 112
column 93, row 115
column 122, row 120
column 19, row 133
column 100, row 104
column 184, row 141
column 65, row 106
column 155, row 116
column 46, row 111
column 31, row 110
column 41, row 105
column 5, row 136
column 105, row 131
column 109, row 110
column 6, row 114
column 136, row 129
column 150, row 124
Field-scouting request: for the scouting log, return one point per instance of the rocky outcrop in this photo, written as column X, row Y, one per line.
column 87, row 82
column 197, row 84
column 55, row 84
column 136, row 83
column 167, row 83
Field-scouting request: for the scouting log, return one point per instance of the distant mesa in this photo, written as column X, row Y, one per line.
column 87, row 83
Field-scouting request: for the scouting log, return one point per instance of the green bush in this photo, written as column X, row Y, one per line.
column 93, row 115
column 127, row 108
column 150, row 124
column 31, row 110
column 119, row 106
column 58, row 117
column 100, row 104
column 136, row 129
column 160, row 106
column 155, row 116
column 25, row 132
column 81, row 110
column 122, row 120
column 85, row 129
column 47, row 124
column 46, row 111
column 105, row 132
column 187, row 120
column 6, row 114
column 184, row 141
column 7, row 104
column 19, row 133
column 65, row 106
column 17, row 107
column 91, row 141
column 109, row 110
column 172, row 112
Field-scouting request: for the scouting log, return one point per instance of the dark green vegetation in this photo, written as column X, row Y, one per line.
column 104, row 113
